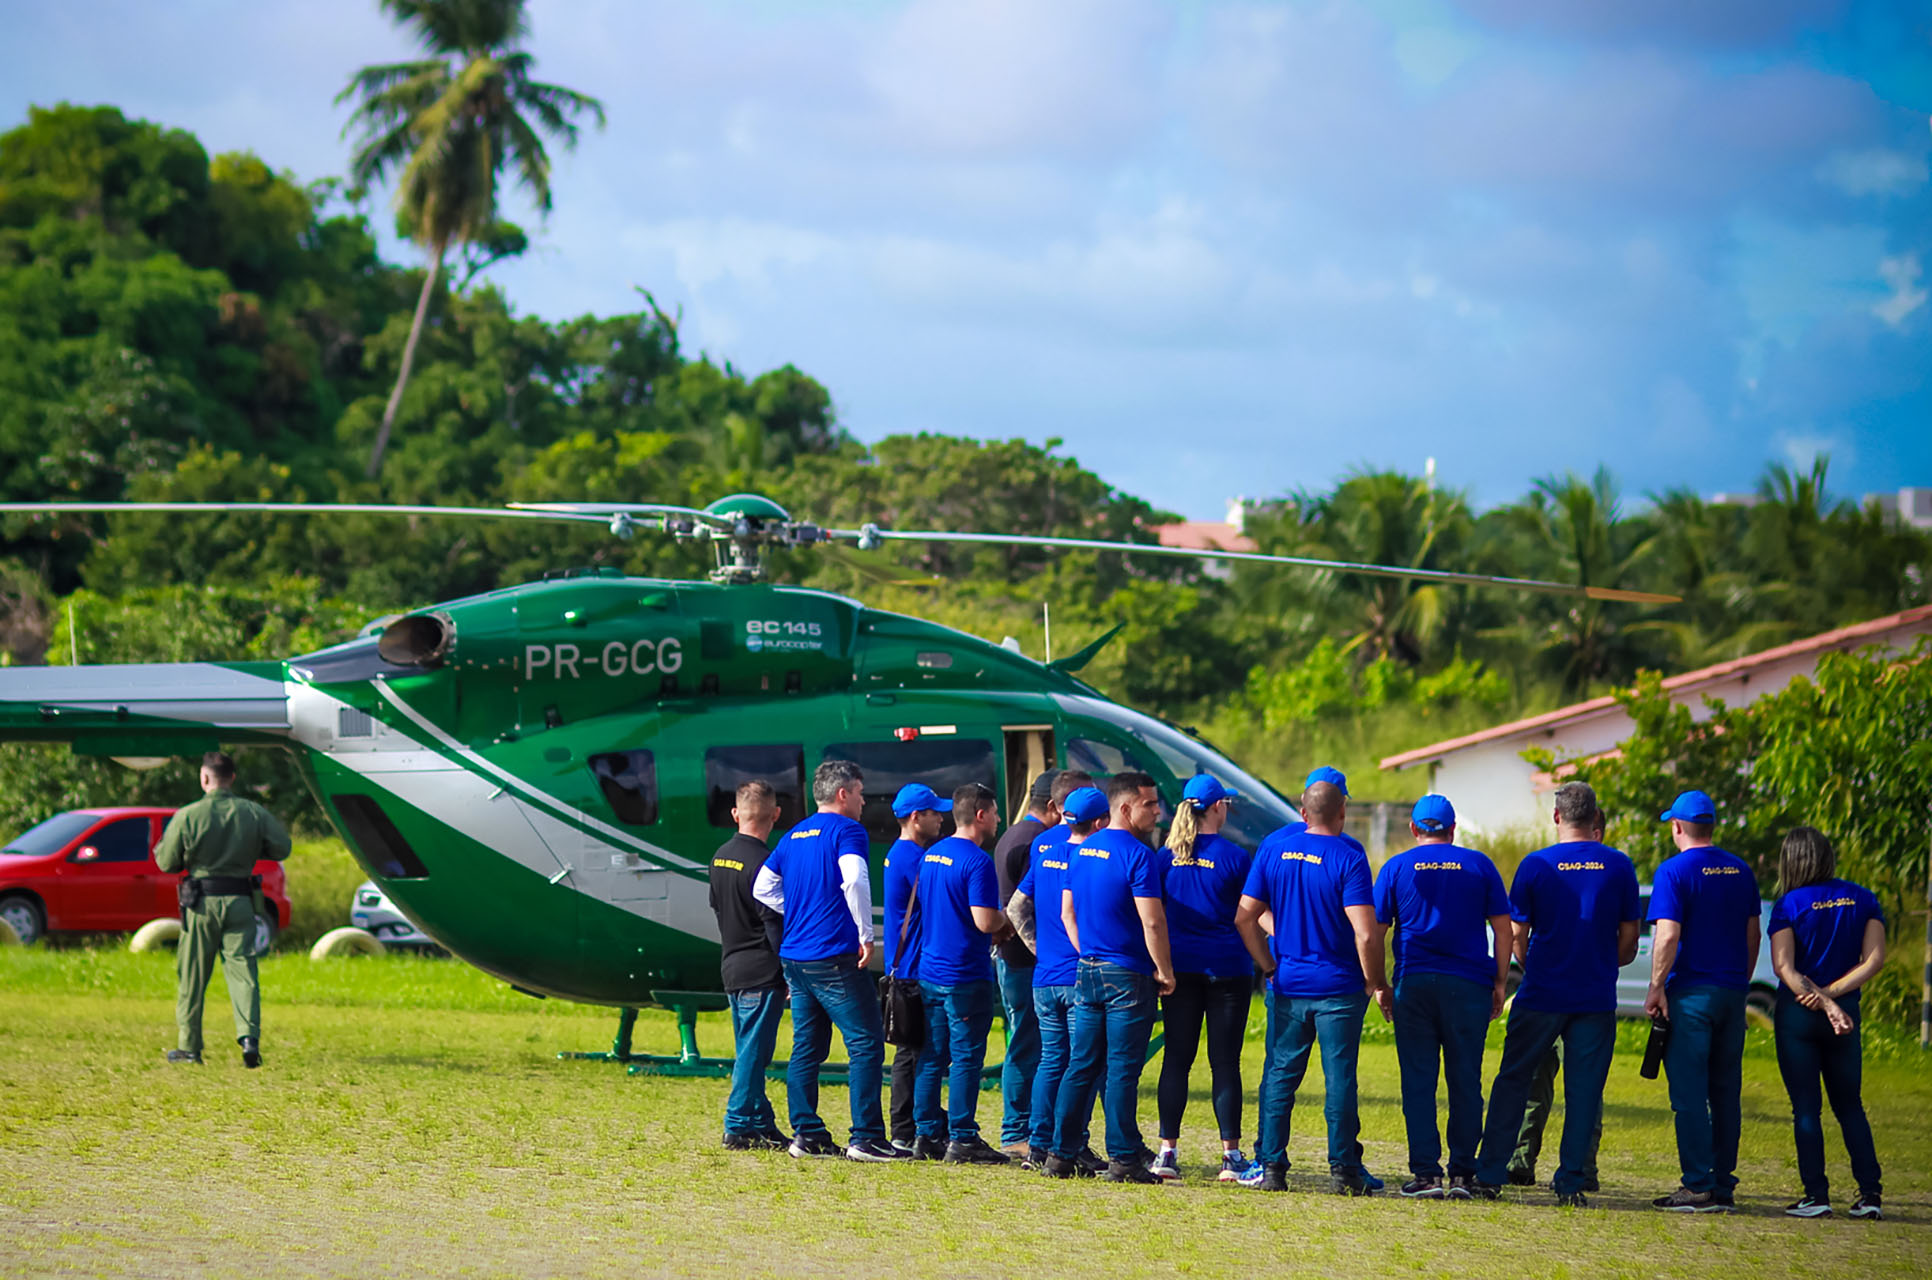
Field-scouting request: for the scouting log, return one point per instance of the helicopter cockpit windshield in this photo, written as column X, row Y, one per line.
column 1257, row 811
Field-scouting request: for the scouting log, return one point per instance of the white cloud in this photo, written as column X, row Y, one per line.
column 1875, row 171
column 1908, row 295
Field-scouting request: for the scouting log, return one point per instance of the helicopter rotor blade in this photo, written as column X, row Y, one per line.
column 883, row 572
column 298, row 508
column 605, row 510
column 873, row 535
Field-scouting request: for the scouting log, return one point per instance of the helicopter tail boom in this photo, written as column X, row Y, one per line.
column 145, row 710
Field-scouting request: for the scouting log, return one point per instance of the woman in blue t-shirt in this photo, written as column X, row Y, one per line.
column 1202, row 875
column 1827, row 940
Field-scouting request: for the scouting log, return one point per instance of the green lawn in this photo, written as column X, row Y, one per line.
column 413, row 1119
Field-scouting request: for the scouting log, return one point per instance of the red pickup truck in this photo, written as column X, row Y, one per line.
column 93, row 870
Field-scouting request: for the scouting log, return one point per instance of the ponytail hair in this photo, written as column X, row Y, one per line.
column 1182, row 835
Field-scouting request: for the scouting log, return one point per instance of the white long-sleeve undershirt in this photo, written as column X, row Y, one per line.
column 769, row 889
column 855, row 882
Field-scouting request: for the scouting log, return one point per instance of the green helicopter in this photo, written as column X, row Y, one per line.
column 536, row 776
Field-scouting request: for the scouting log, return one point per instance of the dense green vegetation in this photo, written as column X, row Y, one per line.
column 175, row 326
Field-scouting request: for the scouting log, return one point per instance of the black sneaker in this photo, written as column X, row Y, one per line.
column 1091, row 1165
column 1462, row 1187
column 182, row 1058
column 251, row 1052
column 924, row 1148
column 1808, row 1208
column 1484, row 1191
column 975, row 1151
column 1575, row 1200
column 739, row 1142
column 1130, row 1170
column 1274, row 1178
column 814, row 1144
column 874, row 1151
column 1348, row 1184
column 1522, row 1175
column 1684, row 1200
column 1056, row 1167
column 1422, row 1188
column 1724, row 1199
column 769, row 1140
column 1590, row 1182
column 1035, row 1159
column 1866, row 1207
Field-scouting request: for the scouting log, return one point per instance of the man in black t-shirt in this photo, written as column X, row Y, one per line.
column 1014, row 959
column 749, row 932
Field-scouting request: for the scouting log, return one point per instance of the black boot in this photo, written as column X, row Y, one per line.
column 251, row 1051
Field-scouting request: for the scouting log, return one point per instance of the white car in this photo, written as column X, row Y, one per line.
column 1633, row 980
column 371, row 909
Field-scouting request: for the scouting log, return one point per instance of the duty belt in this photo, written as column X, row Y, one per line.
column 219, row 886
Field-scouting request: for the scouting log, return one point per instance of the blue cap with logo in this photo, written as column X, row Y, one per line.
column 1084, row 805
column 915, row 796
column 1329, row 774
column 1204, row 791
column 1690, row 806
column 1433, row 813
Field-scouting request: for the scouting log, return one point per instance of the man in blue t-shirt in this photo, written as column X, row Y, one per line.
column 1576, row 917
column 1324, row 966
column 1114, row 917
column 921, row 814
column 1704, row 906
column 959, row 916
column 1448, row 988
column 1084, row 810
column 819, row 880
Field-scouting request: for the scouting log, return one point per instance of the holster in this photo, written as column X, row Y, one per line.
column 188, row 893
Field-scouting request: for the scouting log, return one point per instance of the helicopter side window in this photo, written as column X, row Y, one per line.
column 1102, row 759
column 628, row 780
column 782, row 766
column 383, row 847
column 944, row 764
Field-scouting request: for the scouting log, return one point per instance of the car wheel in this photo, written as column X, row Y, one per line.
column 346, row 941
column 1758, row 1007
column 24, row 916
column 163, row 931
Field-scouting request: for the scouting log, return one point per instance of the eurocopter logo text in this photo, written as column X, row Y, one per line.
column 617, row 658
column 763, row 634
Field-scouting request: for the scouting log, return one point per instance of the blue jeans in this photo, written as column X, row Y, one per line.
column 1588, row 1039
column 1053, row 1015
column 1297, row 1022
column 1113, row 1016
column 958, row 1020
column 1441, row 1017
column 754, row 1031
column 1808, row 1052
column 826, row 994
column 1704, row 1062
column 1022, row 1051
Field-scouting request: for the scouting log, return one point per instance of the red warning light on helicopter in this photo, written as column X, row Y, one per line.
column 905, row 733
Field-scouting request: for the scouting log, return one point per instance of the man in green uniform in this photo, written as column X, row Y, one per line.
column 216, row 842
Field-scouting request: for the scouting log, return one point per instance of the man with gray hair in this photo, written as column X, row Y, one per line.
column 819, row 881
column 1576, row 918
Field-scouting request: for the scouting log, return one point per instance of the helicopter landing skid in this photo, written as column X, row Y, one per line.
column 689, row 1063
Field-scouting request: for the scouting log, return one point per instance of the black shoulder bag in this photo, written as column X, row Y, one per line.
column 900, row 1006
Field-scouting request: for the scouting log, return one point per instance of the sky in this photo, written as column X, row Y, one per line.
column 1218, row 249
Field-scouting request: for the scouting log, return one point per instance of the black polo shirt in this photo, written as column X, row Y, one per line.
column 1011, row 856
column 748, row 930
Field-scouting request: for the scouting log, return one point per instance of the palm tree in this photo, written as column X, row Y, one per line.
column 1581, row 535
column 451, row 123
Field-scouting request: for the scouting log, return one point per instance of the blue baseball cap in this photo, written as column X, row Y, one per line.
column 915, row 796
column 1204, row 790
column 1433, row 813
column 1326, row 773
column 1084, row 805
column 1690, row 806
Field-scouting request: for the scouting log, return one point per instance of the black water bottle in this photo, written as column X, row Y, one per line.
column 1654, row 1049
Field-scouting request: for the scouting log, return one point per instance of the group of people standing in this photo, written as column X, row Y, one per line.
column 1085, row 935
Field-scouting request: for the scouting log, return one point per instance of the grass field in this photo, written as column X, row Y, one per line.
column 412, row 1119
